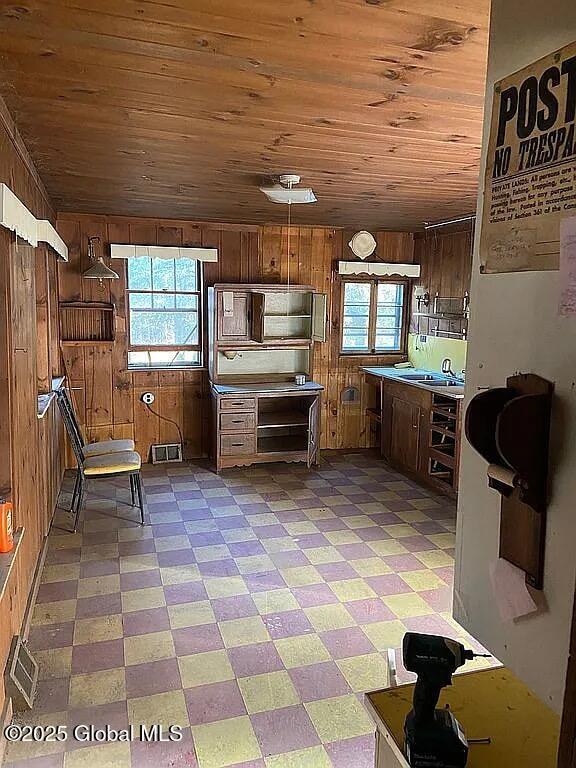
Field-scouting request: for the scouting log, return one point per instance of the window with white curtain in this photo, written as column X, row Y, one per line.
column 164, row 300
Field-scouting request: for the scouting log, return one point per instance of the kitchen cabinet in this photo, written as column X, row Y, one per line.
column 256, row 424
column 419, row 430
column 233, row 316
column 295, row 315
column 261, row 337
column 405, row 434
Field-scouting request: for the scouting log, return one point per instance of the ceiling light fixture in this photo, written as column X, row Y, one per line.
column 285, row 191
column 97, row 269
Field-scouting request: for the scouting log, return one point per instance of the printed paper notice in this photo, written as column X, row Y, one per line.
column 510, row 591
column 530, row 183
column 568, row 267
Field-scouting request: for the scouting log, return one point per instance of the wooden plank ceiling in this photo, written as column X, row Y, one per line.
column 179, row 108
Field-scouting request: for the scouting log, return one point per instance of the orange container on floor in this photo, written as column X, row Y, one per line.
column 6, row 534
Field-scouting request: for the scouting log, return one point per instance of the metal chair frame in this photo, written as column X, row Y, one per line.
column 77, row 443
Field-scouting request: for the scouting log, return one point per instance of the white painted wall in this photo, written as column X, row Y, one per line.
column 515, row 327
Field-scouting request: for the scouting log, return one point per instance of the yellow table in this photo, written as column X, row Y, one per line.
column 491, row 703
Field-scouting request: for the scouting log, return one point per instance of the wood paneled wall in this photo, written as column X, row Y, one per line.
column 445, row 257
column 31, row 451
column 108, row 396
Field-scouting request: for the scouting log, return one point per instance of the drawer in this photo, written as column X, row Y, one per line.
column 237, row 445
column 238, row 404
column 238, row 422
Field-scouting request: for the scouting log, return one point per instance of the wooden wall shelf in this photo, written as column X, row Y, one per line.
column 509, row 427
column 85, row 323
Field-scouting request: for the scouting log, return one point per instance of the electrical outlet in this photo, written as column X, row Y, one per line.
column 147, row 398
column 423, row 339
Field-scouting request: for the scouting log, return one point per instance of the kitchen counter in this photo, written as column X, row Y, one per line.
column 280, row 386
column 397, row 374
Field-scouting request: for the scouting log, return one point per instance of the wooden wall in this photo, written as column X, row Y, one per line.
column 30, row 450
column 107, row 395
column 445, row 257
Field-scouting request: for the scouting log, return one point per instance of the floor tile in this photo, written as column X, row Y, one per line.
column 218, row 701
column 284, row 730
column 165, row 709
column 301, row 650
column 272, row 690
column 111, row 755
column 205, row 668
column 191, row 614
column 152, row 677
column 338, row 718
column 226, row 742
column 245, row 631
column 256, row 607
column 313, row 757
column 319, row 681
column 326, row 617
column 405, row 606
column 152, row 647
column 365, row 673
column 250, row 660
column 102, row 687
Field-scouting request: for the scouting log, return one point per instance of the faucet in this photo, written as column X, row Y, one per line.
column 447, row 367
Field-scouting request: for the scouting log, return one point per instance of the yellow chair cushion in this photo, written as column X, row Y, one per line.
column 112, row 462
column 108, row 446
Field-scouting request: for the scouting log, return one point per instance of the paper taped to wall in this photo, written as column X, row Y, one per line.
column 567, row 304
column 510, row 591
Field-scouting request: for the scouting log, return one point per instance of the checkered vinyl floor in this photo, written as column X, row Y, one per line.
column 254, row 610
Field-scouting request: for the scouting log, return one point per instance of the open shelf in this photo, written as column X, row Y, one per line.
column 278, row 419
column 85, row 323
column 282, row 443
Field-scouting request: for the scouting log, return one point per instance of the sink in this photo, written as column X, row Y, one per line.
column 418, row 377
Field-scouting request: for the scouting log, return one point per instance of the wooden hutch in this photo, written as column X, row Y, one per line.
column 260, row 338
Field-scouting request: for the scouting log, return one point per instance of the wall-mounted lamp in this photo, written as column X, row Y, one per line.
column 97, row 269
column 422, row 297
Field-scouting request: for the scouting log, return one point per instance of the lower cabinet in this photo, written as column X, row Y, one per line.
column 405, row 434
column 266, row 427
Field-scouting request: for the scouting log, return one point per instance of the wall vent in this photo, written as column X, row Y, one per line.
column 167, row 453
column 22, row 676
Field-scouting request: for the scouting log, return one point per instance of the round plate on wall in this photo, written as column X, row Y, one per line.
column 363, row 244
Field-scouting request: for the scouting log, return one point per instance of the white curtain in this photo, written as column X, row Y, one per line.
column 162, row 252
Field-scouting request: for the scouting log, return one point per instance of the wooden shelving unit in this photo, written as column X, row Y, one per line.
column 87, row 323
column 279, row 419
column 444, row 441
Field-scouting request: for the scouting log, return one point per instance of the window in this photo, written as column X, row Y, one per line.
column 373, row 316
column 164, row 311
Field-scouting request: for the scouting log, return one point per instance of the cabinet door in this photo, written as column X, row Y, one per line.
column 313, row 431
column 233, row 316
column 258, row 307
column 319, row 303
column 405, row 434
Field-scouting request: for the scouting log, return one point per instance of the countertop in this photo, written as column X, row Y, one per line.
column 396, row 374
column 266, row 387
column 491, row 703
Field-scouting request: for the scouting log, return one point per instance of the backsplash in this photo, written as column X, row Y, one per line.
column 430, row 353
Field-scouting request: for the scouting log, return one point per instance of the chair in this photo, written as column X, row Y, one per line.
column 117, row 464
column 92, row 449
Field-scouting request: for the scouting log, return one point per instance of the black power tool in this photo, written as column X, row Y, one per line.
column 433, row 737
